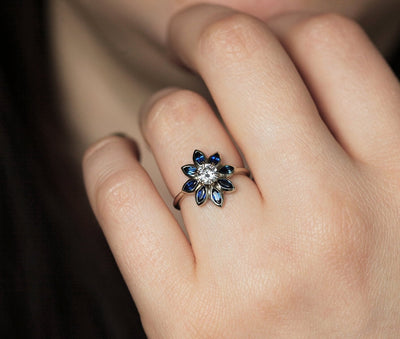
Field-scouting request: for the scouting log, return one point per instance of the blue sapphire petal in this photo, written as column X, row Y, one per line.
column 214, row 159
column 216, row 197
column 226, row 184
column 189, row 170
column 189, row 186
column 226, row 170
column 199, row 157
column 201, row 195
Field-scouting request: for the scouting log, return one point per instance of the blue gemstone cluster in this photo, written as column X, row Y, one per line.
column 207, row 178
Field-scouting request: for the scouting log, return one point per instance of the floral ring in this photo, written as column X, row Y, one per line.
column 208, row 178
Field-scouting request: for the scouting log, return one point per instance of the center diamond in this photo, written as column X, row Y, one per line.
column 207, row 174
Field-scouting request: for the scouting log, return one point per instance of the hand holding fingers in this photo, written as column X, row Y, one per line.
column 314, row 243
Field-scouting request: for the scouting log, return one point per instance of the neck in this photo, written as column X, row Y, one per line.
column 101, row 89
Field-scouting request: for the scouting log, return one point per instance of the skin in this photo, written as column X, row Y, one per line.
column 309, row 247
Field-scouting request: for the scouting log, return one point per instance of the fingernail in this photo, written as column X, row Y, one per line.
column 173, row 58
column 119, row 134
column 133, row 142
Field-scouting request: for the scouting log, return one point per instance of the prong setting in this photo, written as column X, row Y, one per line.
column 208, row 178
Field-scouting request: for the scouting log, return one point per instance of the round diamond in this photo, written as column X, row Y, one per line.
column 207, row 174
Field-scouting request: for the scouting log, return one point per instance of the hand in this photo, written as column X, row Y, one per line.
column 310, row 247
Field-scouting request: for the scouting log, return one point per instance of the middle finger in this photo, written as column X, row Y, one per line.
column 261, row 97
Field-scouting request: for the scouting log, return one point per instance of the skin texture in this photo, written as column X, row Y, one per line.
column 110, row 60
column 309, row 248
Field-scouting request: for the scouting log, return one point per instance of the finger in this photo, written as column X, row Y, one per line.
column 356, row 92
column 258, row 91
column 150, row 248
column 175, row 123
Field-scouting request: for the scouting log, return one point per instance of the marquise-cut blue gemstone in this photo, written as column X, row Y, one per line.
column 226, row 170
column 189, row 170
column 199, row 157
column 189, row 186
column 216, row 197
column 201, row 196
column 226, row 184
column 215, row 159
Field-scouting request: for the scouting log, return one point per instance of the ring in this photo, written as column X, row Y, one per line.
column 208, row 178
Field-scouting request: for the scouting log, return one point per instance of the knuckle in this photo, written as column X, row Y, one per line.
column 176, row 109
column 115, row 195
column 280, row 293
column 343, row 238
column 328, row 29
column 337, row 231
column 232, row 38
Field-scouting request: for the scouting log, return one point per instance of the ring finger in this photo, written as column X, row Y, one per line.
column 175, row 123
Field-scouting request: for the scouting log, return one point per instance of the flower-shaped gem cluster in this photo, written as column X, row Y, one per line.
column 208, row 178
